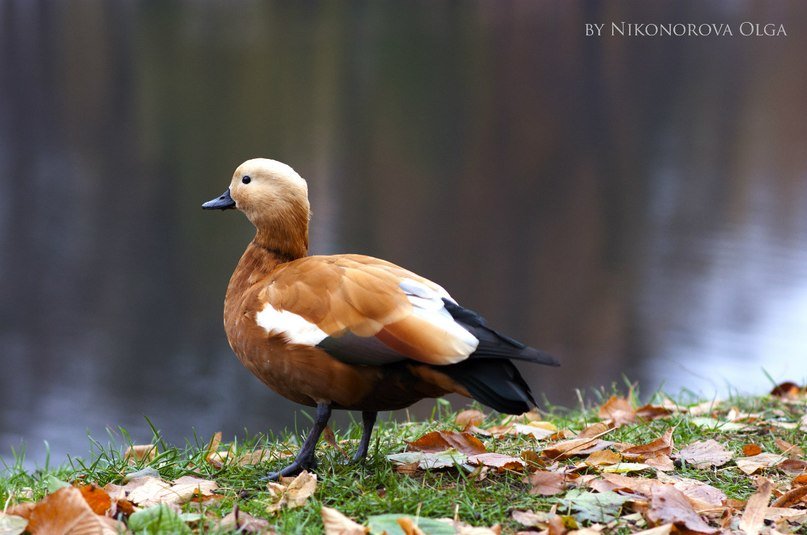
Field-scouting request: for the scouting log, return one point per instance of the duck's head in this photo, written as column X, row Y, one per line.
column 274, row 198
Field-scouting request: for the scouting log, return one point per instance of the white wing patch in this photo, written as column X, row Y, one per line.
column 294, row 327
column 427, row 304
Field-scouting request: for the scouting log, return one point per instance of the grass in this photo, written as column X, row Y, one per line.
column 360, row 491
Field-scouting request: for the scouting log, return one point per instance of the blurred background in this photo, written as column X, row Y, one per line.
column 637, row 206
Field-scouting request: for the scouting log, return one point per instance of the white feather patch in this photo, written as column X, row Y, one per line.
column 294, row 327
column 428, row 305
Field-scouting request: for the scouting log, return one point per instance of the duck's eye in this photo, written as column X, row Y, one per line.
column 245, row 179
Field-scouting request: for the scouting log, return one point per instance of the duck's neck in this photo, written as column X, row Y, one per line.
column 284, row 235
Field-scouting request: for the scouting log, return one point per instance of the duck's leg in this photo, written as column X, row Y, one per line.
column 368, row 421
column 306, row 460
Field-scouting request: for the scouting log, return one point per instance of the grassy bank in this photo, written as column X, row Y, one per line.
column 637, row 443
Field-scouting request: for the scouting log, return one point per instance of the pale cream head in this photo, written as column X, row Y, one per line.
column 266, row 190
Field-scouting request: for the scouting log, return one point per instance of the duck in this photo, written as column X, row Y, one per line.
column 349, row 331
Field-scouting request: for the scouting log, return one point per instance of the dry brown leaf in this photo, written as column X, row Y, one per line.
column 148, row 491
column 653, row 412
column 531, row 518
column 668, row 505
column 292, row 492
column 97, row 498
column 618, row 411
column 533, row 429
column 641, row 485
column 704, row 454
column 754, row 515
column 702, row 496
column 241, row 522
column 65, row 511
column 664, row 529
column 213, row 446
column 546, row 483
column 408, row 526
column 595, row 430
column 749, row 450
column 661, row 446
column 792, row 466
column 574, row 447
column 140, row 452
column 791, row 497
column 660, row 462
column 800, row 479
column 338, row 524
column 787, row 389
column 470, row 418
column 788, row 449
column 330, row 439
column 603, row 458
column 778, row 514
column 749, row 465
column 498, row 461
column 438, row 441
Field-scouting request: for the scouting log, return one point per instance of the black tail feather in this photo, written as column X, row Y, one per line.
column 493, row 344
column 495, row 383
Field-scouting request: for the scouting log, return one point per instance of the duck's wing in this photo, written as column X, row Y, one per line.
column 363, row 310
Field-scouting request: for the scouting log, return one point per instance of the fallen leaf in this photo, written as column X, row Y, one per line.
column 237, row 520
column 594, row 506
column 535, row 431
column 498, row 461
column 595, row 430
column 65, row 511
column 429, row 461
column 788, row 449
column 641, row 485
column 213, row 446
column 159, row 518
column 437, row 441
column 668, row 505
column 330, row 439
column 664, row 529
column 792, row 466
column 749, row 450
column 717, row 425
column 531, row 518
column 623, row 468
column 469, row 418
column 701, row 496
column 661, row 446
column 12, row 524
column 787, row 389
column 749, row 465
column 148, row 491
column 660, row 462
column 574, row 447
column 791, row 497
column 292, row 492
column 800, row 479
column 546, row 483
column 140, row 452
column 754, row 515
column 795, row 516
column 603, row 458
column 705, row 454
column 97, row 498
column 389, row 523
column 618, row 411
column 653, row 412
column 338, row 524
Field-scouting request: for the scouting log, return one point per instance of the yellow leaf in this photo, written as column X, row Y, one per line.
column 338, row 524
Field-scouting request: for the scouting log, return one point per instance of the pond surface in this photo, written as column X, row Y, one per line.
column 636, row 206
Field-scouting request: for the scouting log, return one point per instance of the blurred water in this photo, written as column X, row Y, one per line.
column 638, row 207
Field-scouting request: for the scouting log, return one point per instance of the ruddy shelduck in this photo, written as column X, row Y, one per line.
column 351, row 331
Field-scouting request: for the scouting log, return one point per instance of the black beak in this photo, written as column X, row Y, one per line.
column 223, row 202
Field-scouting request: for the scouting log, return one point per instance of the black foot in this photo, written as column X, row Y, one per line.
column 368, row 421
column 293, row 469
